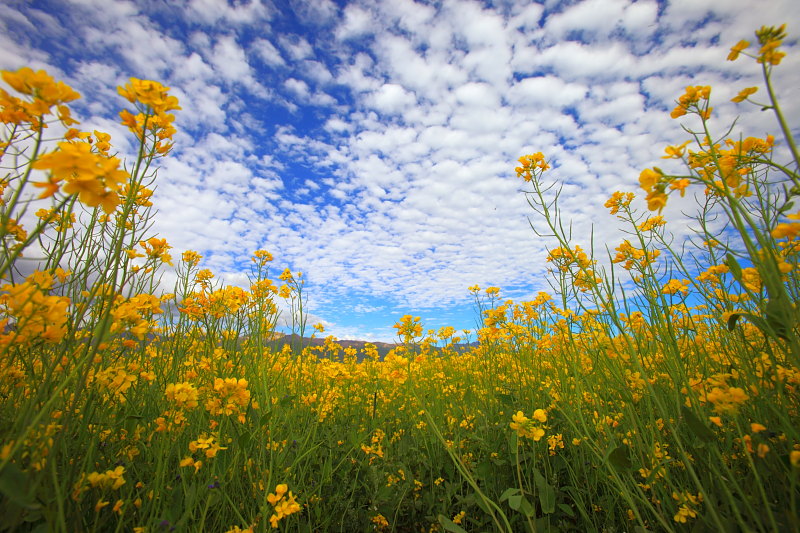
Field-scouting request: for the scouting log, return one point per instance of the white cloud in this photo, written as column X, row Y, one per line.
column 546, row 91
column 264, row 49
column 297, row 47
column 229, row 60
column 402, row 187
column 392, row 98
column 212, row 12
column 357, row 22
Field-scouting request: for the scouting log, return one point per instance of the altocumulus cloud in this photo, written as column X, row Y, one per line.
column 371, row 145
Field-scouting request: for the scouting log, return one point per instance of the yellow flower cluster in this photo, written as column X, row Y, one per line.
column 207, row 445
column 283, row 503
column 133, row 314
column 525, row 427
column 530, row 165
column 153, row 103
column 229, row 397
column 634, row 257
column 35, row 313
column 184, row 395
column 408, row 328
column 45, row 93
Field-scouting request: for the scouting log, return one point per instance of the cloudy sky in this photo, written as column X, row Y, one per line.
column 372, row 144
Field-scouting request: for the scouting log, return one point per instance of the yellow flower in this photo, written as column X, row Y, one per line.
column 648, row 179
column 675, row 152
column 737, row 49
column 150, row 94
column 680, row 185
column 787, row 230
column 743, row 94
column 794, row 458
column 524, row 426
column 95, row 178
column 40, row 85
column 674, row 286
column 619, row 200
column 656, row 200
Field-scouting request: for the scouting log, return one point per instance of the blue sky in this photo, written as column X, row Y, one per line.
column 372, row 144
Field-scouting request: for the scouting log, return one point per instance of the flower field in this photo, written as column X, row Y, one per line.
column 656, row 389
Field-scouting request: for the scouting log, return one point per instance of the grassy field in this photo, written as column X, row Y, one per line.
column 658, row 393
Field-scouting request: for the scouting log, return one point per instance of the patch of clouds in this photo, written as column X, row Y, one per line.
column 400, row 192
column 265, row 50
column 214, row 12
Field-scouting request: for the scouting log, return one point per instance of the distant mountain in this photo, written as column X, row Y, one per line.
column 295, row 340
column 383, row 348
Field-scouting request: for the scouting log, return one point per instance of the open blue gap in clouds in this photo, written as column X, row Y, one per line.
column 371, row 145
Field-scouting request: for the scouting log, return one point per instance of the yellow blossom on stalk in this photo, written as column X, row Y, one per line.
column 183, row 394
column 680, row 185
column 229, row 397
column 751, row 279
column 154, row 102
column 691, row 99
column 525, row 427
column 191, row 257
column 788, row 230
column 262, row 257
column 726, row 399
column 207, row 444
column 157, row 249
column 770, row 38
column 95, row 178
column 380, row 522
column 737, row 49
column 408, row 327
column 675, row 152
column 283, row 503
column 37, row 314
column 554, row 442
column 111, row 479
column 619, row 200
column 686, row 501
column 530, row 164
column 743, row 94
column 150, row 94
column 634, row 257
column 652, row 222
column 286, row 276
column 46, row 93
column 794, row 458
column 649, row 178
column 656, row 200
column 675, row 285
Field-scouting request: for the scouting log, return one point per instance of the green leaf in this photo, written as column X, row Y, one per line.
column 526, row 508
column 449, row 525
column 733, row 264
column 547, row 494
column 567, row 510
column 14, row 484
column 696, row 425
column 506, row 399
column 779, row 316
column 619, row 458
column 732, row 320
column 514, row 501
column 287, row 400
column 508, row 493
